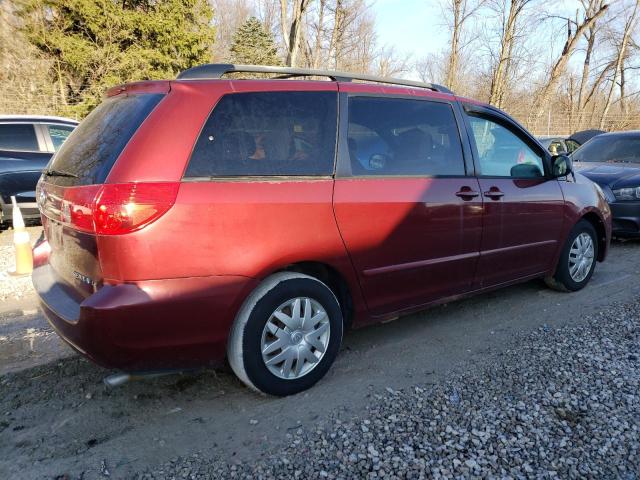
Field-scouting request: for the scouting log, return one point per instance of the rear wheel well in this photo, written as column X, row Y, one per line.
column 597, row 223
column 333, row 279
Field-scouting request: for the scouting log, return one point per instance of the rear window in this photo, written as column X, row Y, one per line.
column 94, row 146
column 18, row 136
column 268, row 134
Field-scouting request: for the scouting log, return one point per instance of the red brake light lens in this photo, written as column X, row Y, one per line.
column 116, row 209
column 77, row 207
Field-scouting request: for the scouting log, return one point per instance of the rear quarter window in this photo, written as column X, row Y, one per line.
column 58, row 134
column 268, row 134
column 93, row 147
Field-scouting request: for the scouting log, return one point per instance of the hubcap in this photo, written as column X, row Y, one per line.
column 295, row 338
column 581, row 257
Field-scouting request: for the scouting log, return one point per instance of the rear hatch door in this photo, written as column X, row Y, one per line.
column 71, row 181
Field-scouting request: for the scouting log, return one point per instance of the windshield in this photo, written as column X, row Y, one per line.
column 611, row 149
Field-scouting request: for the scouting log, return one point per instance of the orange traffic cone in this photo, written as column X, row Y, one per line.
column 24, row 255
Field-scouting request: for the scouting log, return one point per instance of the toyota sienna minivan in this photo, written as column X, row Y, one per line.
column 205, row 218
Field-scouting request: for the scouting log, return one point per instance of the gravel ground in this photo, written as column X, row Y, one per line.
column 559, row 403
column 502, row 398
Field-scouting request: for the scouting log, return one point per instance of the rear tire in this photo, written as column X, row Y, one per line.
column 286, row 335
column 577, row 260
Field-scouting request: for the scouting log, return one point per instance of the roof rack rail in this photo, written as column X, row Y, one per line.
column 217, row 70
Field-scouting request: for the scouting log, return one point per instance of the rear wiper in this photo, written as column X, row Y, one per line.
column 57, row 173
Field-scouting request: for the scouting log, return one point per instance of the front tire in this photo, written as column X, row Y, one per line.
column 578, row 259
column 286, row 335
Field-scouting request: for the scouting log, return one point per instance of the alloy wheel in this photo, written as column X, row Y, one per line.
column 581, row 257
column 295, row 338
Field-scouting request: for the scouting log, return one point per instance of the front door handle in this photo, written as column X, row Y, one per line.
column 466, row 193
column 494, row 193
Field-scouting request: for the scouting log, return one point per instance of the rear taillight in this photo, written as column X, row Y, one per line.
column 115, row 209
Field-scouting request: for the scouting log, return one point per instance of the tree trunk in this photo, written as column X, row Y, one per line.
column 284, row 22
column 628, row 28
column 560, row 64
column 501, row 70
column 319, row 30
column 336, row 35
column 295, row 29
column 452, row 66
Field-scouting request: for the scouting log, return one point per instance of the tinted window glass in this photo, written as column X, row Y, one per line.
column 268, row 133
column 571, row 145
column 18, row 136
column 390, row 136
column 93, row 147
column 59, row 134
column 609, row 148
column 556, row 148
column 501, row 153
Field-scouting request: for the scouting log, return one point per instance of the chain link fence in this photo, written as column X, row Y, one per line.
column 563, row 123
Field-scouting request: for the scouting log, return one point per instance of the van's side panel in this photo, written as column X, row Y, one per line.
column 291, row 217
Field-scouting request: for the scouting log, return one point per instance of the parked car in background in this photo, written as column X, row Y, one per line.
column 558, row 145
column 612, row 160
column 583, row 136
column 27, row 143
column 567, row 145
column 194, row 219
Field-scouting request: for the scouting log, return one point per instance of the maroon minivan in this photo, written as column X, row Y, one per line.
column 191, row 220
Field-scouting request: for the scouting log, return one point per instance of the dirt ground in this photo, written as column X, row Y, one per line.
column 57, row 418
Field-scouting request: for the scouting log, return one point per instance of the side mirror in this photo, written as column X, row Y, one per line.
column 561, row 166
column 377, row 161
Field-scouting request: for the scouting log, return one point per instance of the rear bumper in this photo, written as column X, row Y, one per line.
column 149, row 325
column 626, row 218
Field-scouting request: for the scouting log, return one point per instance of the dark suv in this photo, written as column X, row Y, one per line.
column 27, row 143
column 203, row 218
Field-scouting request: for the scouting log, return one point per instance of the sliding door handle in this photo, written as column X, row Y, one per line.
column 494, row 193
column 466, row 193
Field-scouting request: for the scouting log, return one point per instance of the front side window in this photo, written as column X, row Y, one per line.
column 59, row 134
column 18, row 137
column 394, row 136
column 501, row 153
column 268, row 134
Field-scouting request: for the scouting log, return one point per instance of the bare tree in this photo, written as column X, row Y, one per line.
column 629, row 26
column 509, row 14
column 458, row 13
column 429, row 68
column 291, row 23
column 590, row 7
column 229, row 15
column 560, row 65
column 390, row 64
column 340, row 34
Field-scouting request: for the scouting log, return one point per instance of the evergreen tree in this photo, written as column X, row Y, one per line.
column 96, row 44
column 253, row 45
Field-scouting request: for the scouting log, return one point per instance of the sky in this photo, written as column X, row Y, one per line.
column 411, row 26
column 418, row 27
